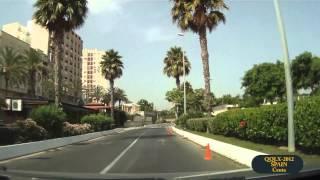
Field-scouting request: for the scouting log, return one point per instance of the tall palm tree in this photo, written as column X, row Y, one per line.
column 59, row 16
column 98, row 93
column 12, row 65
column 120, row 96
column 34, row 64
column 111, row 68
column 174, row 64
column 198, row 16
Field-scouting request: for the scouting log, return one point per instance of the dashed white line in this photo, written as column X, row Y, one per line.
column 106, row 169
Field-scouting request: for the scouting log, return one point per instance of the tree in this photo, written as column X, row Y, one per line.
column 301, row 71
column 106, row 98
column 120, row 96
column 315, row 75
column 98, row 93
column 59, row 16
column 145, row 105
column 174, row 64
column 111, row 68
column 34, row 65
column 228, row 99
column 265, row 81
column 13, row 68
column 198, row 16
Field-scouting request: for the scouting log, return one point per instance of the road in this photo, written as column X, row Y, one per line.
column 148, row 150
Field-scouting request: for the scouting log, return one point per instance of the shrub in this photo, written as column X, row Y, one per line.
column 197, row 124
column 182, row 120
column 28, row 130
column 76, row 129
column 307, row 124
column 120, row 117
column 51, row 118
column 8, row 135
column 97, row 121
column 268, row 124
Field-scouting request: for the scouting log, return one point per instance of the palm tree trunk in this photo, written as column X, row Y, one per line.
column 178, row 82
column 58, row 58
column 112, row 98
column 119, row 104
column 205, row 64
column 6, row 81
column 32, row 87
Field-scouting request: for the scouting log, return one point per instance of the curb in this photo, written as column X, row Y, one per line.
column 17, row 150
column 239, row 154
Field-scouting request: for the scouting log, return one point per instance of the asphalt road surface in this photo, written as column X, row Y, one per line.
column 152, row 149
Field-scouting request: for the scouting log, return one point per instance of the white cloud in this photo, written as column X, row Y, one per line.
column 158, row 34
column 111, row 6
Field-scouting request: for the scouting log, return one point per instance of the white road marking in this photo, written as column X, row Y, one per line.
column 215, row 173
column 106, row 169
column 23, row 157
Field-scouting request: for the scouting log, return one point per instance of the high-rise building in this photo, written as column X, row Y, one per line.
column 91, row 71
column 17, row 30
column 38, row 38
column 19, row 89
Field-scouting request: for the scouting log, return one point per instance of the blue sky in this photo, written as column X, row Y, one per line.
column 142, row 32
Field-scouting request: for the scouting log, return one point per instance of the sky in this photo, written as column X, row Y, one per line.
column 142, row 31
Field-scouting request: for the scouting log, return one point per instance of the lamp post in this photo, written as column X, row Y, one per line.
column 291, row 138
column 184, row 81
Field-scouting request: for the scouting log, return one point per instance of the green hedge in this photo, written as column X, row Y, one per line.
column 51, row 118
column 98, row 121
column 268, row 124
column 182, row 120
column 197, row 124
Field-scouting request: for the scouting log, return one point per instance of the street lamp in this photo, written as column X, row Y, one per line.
column 184, row 81
column 291, row 139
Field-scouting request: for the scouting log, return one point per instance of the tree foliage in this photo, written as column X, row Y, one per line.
column 265, row 81
column 145, row 105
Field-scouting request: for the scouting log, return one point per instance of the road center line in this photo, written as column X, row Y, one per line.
column 106, row 169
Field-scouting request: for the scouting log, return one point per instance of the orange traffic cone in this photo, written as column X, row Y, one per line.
column 207, row 154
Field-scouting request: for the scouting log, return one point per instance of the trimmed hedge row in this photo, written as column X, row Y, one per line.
column 98, row 122
column 182, row 120
column 268, row 124
column 197, row 124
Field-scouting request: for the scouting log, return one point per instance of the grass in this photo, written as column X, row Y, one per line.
column 310, row 160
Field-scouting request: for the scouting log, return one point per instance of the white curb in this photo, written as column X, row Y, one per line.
column 17, row 150
column 236, row 153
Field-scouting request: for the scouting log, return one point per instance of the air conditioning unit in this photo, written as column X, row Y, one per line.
column 16, row 105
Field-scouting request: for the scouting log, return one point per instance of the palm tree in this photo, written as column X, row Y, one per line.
column 111, row 68
column 59, row 16
column 34, row 64
column 198, row 16
column 174, row 64
column 13, row 67
column 120, row 96
column 98, row 93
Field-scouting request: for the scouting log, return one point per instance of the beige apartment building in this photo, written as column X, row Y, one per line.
column 38, row 38
column 91, row 71
column 19, row 89
column 17, row 30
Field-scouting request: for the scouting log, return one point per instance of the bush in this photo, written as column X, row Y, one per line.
column 51, row 118
column 8, row 135
column 97, row 121
column 197, row 124
column 76, row 129
column 28, row 130
column 307, row 124
column 182, row 120
column 268, row 124
column 120, row 117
